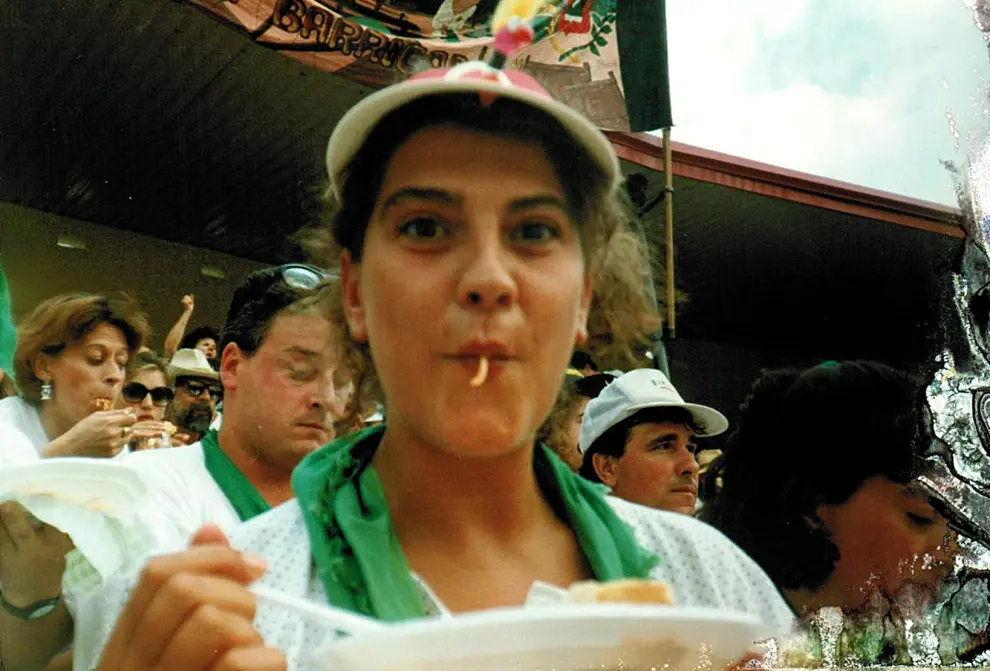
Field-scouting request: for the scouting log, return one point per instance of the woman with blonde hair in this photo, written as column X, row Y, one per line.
column 473, row 216
column 147, row 391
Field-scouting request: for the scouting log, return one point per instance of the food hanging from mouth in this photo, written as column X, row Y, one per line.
column 481, row 375
column 101, row 404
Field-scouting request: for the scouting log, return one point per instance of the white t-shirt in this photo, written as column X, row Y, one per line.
column 21, row 434
column 182, row 497
column 702, row 566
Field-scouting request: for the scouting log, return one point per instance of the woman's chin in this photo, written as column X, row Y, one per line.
column 485, row 436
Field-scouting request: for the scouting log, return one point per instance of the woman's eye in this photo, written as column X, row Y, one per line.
column 537, row 231
column 423, row 228
column 920, row 520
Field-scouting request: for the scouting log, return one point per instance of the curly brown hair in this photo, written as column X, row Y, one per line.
column 621, row 318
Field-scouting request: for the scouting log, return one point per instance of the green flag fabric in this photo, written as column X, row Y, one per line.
column 641, row 27
column 8, row 335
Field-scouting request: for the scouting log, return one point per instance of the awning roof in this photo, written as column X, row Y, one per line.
column 152, row 117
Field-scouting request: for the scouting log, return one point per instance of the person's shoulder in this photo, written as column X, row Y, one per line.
column 182, row 457
column 280, row 537
column 662, row 523
column 14, row 410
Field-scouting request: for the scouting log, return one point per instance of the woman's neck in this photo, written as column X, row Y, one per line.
column 436, row 494
column 52, row 421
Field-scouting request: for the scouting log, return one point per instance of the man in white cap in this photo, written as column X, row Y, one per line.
column 638, row 437
column 197, row 390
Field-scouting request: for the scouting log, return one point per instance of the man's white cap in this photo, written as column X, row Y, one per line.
column 635, row 391
column 191, row 363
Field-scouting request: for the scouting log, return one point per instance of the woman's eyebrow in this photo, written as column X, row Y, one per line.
column 539, row 201
column 419, row 193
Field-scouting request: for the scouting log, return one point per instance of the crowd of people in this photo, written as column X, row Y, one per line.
column 425, row 430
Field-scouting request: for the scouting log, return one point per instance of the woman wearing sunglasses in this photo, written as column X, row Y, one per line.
column 147, row 391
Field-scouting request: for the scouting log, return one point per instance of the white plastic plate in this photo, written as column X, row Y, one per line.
column 603, row 637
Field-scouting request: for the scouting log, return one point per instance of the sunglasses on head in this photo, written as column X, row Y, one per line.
column 135, row 392
column 301, row 276
column 196, row 388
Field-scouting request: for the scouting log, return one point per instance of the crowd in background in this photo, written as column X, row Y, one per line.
column 426, row 431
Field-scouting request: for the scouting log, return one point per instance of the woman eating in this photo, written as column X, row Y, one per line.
column 473, row 213
column 147, row 391
column 69, row 365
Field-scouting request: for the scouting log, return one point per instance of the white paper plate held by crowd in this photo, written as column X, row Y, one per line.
column 91, row 500
column 600, row 637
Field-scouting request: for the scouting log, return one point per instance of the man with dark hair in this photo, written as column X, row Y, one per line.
column 277, row 371
column 207, row 340
column 638, row 437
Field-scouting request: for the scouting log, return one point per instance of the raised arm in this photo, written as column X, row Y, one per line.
column 174, row 337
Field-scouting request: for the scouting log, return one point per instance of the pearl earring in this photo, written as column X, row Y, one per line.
column 46, row 390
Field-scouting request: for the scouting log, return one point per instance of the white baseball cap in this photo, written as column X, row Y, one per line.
column 477, row 77
column 635, row 391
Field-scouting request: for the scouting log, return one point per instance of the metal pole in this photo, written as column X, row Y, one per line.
column 670, row 325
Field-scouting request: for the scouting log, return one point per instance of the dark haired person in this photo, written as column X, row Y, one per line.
column 638, row 437
column 818, row 486
column 204, row 338
column 278, row 379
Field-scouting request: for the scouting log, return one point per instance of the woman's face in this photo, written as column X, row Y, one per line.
column 888, row 537
column 85, row 371
column 470, row 251
column 145, row 409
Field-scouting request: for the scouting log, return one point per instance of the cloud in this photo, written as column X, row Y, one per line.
column 850, row 89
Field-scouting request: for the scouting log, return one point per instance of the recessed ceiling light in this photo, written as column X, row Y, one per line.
column 215, row 273
column 70, row 242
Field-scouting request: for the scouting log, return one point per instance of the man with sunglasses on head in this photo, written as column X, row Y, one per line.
column 277, row 373
column 197, row 390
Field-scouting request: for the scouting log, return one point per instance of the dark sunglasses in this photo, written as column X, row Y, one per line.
column 135, row 392
column 196, row 388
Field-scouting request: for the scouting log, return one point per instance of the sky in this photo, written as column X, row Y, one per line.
column 855, row 90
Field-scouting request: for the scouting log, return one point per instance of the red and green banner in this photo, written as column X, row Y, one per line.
column 576, row 55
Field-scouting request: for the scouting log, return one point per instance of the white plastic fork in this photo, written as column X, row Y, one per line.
column 338, row 618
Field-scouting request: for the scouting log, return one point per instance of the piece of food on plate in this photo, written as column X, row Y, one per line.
column 630, row 590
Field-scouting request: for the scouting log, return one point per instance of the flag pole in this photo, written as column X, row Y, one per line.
column 670, row 324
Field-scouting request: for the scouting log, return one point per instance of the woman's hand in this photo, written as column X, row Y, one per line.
column 101, row 434
column 193, row 611
column 32, row 556
column 145, row 432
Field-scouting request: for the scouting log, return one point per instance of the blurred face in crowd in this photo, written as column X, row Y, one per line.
column 658, row 468
column 139, row 392
column 280, row 398
column 195, row 404
column 888, row 537
column 207, row 346
column 85, row 371
column 569, row 451
column 470, row 253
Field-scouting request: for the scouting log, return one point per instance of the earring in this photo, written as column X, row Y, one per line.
column 46, row 390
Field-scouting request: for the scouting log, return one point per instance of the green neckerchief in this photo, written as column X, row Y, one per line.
column 358, row 557
column 238, row 489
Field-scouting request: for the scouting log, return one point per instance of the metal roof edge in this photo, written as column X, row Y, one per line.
column 734, row 172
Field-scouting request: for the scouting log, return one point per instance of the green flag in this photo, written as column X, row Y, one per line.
column 8, row 336
column 641, row 30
